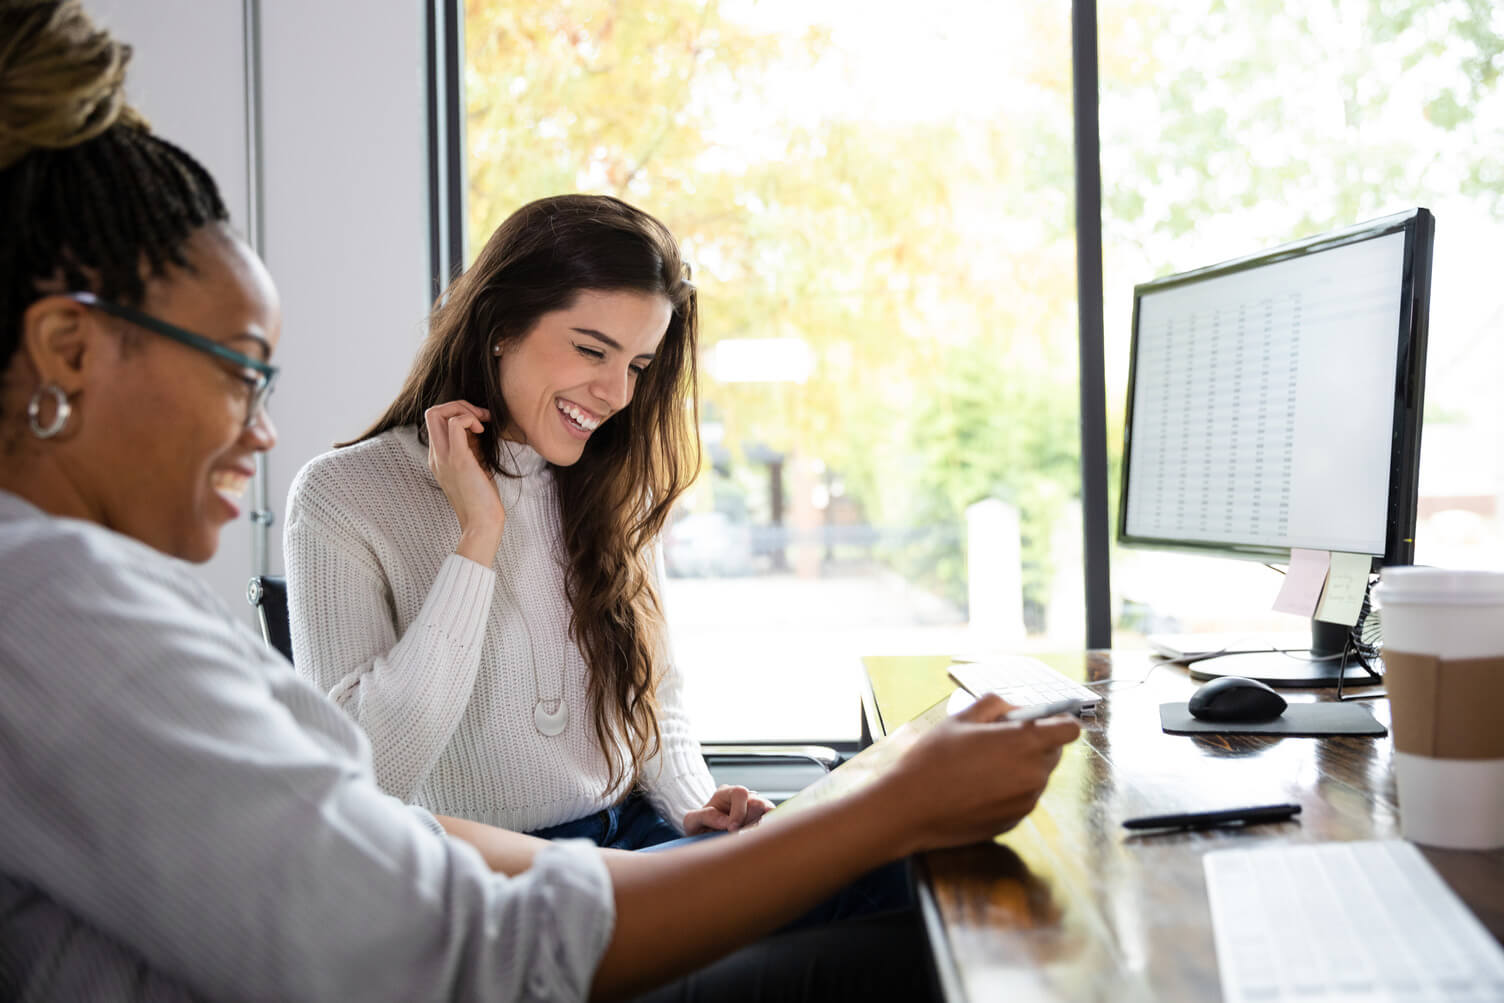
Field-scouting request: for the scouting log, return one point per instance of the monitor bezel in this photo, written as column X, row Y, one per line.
column 1419, row 227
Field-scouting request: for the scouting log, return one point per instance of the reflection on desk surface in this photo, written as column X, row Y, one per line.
column 1076, row 909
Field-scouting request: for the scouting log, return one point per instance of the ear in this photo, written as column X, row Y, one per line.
column 55, row 337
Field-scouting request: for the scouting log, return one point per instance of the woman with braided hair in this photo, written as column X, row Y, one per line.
column 185, row 818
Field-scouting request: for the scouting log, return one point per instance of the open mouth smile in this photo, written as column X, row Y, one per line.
column 577, row 417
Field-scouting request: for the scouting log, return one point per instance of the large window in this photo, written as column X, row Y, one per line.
column 1228, row 128
column 877, row 207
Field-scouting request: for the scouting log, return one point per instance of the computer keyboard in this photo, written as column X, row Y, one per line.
column 1345, row 921
column 1021, row 681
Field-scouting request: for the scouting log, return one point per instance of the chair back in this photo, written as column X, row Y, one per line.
column 268, row 593
column 775, row 771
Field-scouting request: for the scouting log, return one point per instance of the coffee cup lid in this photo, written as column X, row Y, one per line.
column 1439, row 586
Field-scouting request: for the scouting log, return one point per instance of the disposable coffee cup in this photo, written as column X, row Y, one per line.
column 1444, row 671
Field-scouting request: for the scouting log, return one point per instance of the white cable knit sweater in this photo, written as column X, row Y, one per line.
column 442, row 661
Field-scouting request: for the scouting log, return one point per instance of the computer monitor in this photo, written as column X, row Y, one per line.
column 1274, row 402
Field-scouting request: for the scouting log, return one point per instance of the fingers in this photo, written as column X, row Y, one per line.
column 757, row 807
column 459, row 429
column 988, row 707
column 694, row 822
column 1059, row 730
column 450, row 427
column 451, row 408
column 706, row 820
column 440, row 420
column 730, row 808
column 730, row 802
column 736, row 807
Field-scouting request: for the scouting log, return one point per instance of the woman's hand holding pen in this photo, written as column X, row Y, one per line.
column 454, row 461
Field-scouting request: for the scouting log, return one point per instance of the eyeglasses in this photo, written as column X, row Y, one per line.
column 259, row 377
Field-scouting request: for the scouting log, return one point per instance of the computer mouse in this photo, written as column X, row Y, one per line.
column 1234, row 699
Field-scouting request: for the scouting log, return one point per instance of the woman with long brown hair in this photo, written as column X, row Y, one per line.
column 185, row 818
column 473, row 580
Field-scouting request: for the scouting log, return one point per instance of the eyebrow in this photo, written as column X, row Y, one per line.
column 608, row 340
column 266, row 346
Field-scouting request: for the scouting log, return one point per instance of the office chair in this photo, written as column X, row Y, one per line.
column 777, row 772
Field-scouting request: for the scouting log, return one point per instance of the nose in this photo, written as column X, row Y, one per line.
column 614, row 387
column 261, row 434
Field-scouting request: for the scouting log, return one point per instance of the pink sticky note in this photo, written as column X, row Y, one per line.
column 1303, row 580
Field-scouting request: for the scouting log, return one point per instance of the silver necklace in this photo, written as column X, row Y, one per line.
column 550, row 723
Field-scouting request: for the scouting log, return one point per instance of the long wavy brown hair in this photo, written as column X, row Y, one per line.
column 613, row 502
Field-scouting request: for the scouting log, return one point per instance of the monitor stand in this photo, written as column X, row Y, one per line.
column 1317, row 666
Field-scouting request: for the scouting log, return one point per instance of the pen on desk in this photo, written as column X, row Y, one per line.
column 1221, row 816
column 1039, row 710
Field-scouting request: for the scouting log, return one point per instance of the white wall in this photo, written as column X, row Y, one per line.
column 344, row 197
column 345, row 182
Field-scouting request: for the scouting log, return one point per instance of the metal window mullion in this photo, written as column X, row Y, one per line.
column 446, row 158
column 1094, row 520
column 261, row 516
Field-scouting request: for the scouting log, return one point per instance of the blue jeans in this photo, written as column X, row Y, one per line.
column 635, row 825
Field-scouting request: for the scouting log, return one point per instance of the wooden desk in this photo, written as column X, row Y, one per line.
column 1068, row 906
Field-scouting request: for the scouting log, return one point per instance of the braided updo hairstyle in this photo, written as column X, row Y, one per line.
column 88, row 195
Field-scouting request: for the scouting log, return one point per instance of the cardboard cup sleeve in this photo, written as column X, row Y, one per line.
column 1445, row 708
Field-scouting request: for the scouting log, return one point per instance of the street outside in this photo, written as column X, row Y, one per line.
column 778, row 658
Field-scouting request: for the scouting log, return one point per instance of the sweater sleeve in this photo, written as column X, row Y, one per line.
column 408, row 693
column 185, row 824
column 676, row 780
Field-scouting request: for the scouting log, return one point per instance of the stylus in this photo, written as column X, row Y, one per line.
column 1035, row 711
column 1222, row 816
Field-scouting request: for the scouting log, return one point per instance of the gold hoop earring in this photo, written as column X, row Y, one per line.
column 61, row 411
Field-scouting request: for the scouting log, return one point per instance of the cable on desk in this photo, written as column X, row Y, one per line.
column 1110, row 680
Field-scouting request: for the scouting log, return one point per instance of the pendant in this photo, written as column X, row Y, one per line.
column 550, row 724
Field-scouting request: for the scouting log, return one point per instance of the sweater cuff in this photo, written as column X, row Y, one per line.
column 684, row 785
column 461, row 598
column 578, row 917
column 425, row 817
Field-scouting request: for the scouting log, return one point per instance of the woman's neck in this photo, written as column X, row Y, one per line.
column 31, row 474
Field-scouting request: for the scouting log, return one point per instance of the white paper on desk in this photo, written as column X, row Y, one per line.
column 1346, row 583
column 1303, row 580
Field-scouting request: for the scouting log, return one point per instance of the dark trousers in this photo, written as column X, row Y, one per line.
column 864, row 960
column 863, row 943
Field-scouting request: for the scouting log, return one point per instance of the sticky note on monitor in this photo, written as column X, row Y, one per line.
column 1346, row 584
column 1303, row 580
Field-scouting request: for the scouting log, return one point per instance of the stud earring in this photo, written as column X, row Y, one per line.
column 496, row 350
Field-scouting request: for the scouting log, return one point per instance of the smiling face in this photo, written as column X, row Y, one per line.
column 158, row 447
column 577, row 367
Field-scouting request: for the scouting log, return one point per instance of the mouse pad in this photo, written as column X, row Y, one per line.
column 1311, row 720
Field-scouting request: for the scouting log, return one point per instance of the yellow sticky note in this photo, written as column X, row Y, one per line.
column 1346, row 583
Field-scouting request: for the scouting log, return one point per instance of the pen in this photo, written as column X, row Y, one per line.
column 1222, row 816
column 1039, row 710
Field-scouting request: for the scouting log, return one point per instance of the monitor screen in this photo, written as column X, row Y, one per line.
column 1274, row 401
